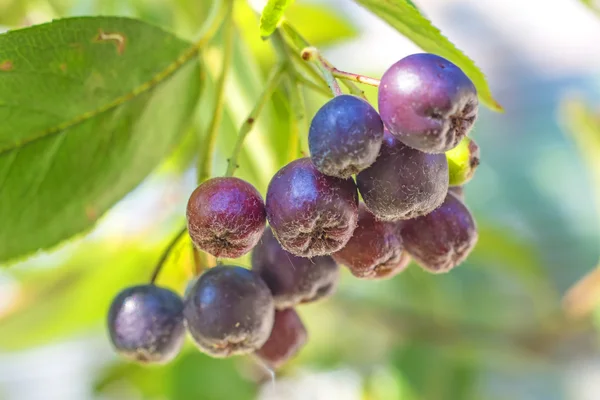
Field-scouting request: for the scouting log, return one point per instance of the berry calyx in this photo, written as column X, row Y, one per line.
column 403, row 182
column 463, row 160
column 226, row 217
column 427, row 102
column 287, row 338
column 145, row 324
column 310, row 213
column 375, row 249
column 345, row 136
column 443, row 239
column 292, row 279
column 229, row 311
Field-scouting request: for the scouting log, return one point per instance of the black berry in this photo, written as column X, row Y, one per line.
column 427, row 102
column 287, row 338
column 345, row 136
column 293, row 279
column 145, row 324
column 441, row 240
column 310, row 213
column 226, row 217
column 403, row 182
column 229, row 311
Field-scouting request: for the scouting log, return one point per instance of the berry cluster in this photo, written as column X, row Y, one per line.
column 407, row 162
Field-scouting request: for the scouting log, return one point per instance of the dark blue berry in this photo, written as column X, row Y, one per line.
column 145, row 324
column 229, row 311
column 310, row 213
column 403, row 182
column 345, row 136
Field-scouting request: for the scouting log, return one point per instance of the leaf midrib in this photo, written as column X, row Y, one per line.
column 150, row 84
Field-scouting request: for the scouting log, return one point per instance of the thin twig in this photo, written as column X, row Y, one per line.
column 248, row 124
column 166, row 253
column 210, row 139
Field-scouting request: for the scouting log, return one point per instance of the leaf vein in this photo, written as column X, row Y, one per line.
column 161, row 76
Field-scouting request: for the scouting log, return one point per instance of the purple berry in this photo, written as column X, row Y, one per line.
column 427, row 102
column 375, row 248
column 145, row 324
column 229, row 311
column 441, row 240
column 310, row 213
column 403, row 182
column 226, row 217
column 293, row 280
column 345, row 136
column 287, row 338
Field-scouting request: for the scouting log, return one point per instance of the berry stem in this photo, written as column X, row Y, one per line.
column 165, row 254
column 272, row 81
column 301, row 79
column 206, row 158
column 300, row 43
column 350, row 76
column 312, row 54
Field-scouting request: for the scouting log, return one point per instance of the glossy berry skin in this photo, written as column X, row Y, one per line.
column 375, row 248
column 226, row 217
column 427, row 102
column 287, row 338
column 463, row 161
column 403, row 182
column 345, row 136
column 310, row 213
column 442, row 239
column 229, row 311
column 292, row 279
column 145, row 324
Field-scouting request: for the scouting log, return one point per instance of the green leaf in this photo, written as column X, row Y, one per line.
column 592, row 5
column 332, row 27
column 271, row 16
column 583, row 124
column 192, row 375
column 89, row 107
column 407, row 20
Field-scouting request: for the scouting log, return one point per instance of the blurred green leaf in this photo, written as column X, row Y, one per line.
column 264, row 149
column 61, row 302
column 271, row 14
column 583, row 125
column 434, row 373
column 516, row 257
column 407, row 19
column 386, row 384
column 592, row 5
column 192, row 375
column 332, row 28
column 89, row 107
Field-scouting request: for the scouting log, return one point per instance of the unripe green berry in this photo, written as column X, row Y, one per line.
column 462, row 161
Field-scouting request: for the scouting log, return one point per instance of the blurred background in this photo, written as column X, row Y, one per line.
column 492, row 329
